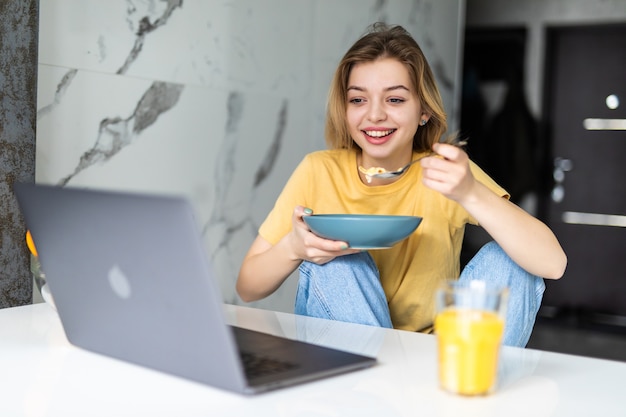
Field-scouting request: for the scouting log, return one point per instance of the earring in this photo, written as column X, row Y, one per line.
column 423, row 122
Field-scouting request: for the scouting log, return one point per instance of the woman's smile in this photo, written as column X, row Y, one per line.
column 377, row 137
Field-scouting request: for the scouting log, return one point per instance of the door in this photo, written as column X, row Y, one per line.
column 586, row 109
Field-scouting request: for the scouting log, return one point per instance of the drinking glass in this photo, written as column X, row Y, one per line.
column 469, row 324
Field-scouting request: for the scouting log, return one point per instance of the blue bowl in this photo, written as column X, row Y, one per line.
column 363, row 231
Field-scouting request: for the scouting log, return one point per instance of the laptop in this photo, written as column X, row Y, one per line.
column 130, row 279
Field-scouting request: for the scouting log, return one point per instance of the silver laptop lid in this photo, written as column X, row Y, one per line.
column 123, row 279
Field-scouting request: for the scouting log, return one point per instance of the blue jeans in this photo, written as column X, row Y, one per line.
column 358, row 295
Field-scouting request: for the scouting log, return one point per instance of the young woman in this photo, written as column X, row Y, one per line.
column 384, row 110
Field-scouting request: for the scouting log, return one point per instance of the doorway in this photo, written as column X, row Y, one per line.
column 501, row 132
column 585, row 127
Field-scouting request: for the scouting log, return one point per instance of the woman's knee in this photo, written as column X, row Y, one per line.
column 493, row 265
column 341, row 266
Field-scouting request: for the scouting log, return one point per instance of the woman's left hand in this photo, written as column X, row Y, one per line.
column 448, row 172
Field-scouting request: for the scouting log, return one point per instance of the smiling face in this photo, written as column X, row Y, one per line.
column 383, row 112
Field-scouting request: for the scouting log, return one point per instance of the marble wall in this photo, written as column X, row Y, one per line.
column 214, row 100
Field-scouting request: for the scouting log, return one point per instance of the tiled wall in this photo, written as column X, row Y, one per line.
column 214, row 100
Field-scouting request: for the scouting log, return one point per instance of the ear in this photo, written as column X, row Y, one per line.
column 424, row 117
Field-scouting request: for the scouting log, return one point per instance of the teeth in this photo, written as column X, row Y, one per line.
column 379, row 133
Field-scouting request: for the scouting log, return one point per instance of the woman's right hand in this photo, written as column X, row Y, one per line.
column 308, row 246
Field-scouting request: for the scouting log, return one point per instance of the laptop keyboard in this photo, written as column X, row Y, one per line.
column 257, row 366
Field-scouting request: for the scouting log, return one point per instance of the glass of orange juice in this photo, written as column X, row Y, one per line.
column 469, row 324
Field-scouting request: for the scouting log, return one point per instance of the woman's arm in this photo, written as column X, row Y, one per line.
column 265, row 267
column 528, row 241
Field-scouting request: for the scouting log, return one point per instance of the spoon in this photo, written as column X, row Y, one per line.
column 376, row 172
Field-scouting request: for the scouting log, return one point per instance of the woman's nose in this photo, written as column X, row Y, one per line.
column 376, row 113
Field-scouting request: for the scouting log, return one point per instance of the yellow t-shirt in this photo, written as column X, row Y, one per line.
column 328, row 182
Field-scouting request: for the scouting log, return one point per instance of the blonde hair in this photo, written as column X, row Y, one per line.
column 384, row 41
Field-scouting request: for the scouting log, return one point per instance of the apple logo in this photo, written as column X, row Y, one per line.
column 119, row 282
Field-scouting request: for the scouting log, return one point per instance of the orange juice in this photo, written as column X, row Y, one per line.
column 469, row 344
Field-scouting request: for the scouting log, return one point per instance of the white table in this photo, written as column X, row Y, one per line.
column 41, row 374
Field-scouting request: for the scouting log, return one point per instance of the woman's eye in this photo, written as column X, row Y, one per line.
column 396, row 100
column 356, row 100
